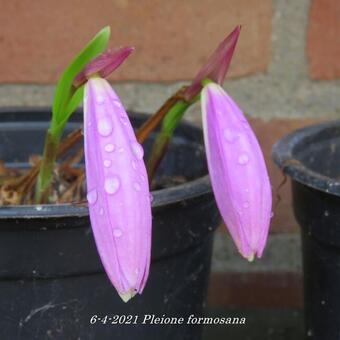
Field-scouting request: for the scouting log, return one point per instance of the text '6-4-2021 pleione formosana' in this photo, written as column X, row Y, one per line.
column 152, row 319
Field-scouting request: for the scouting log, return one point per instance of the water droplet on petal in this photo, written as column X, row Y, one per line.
column 243, row 159
column 142, row 177
column 137, row 150
column 137, row 186
column 229, row 135
column 151, row 198
column 92, row 196
column 105, row 127
column 100, row 99
column 136, row 271
column 107, row 163
column 271, row 214
column 134, row 165
column 120, row 150
column 117, row 103
column 112, row 185
column 109, row 147
column 246, row 190
column 117, row 232
column 246, row 205
column 101, row 211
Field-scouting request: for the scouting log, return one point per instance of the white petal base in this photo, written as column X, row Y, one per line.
column 128, row 295
column 251, row 257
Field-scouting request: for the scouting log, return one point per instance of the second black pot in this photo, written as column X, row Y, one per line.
column 52, row 284
column 311, row 157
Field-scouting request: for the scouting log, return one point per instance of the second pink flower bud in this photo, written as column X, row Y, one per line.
column 237, row 171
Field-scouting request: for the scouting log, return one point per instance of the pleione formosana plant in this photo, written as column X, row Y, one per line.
column 118, row 179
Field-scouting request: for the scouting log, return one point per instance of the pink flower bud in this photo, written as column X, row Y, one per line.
column 118, row 189
column 237, row 171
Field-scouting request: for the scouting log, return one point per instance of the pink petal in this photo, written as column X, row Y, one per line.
column 217, row 66
column 237, row 171
column 118, row 189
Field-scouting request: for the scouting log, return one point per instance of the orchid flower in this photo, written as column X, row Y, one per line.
column 117, row 182
column 237, row 171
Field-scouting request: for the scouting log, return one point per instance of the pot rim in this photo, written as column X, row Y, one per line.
column 283, row 156
column 161, row 198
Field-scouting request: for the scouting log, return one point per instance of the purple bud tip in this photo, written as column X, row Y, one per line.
column 237, row 171
column 217, row 65
column 104, row 64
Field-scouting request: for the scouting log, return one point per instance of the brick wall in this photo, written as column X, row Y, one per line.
column 285, row 74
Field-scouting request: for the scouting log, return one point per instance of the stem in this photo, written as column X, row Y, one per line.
column 170, row 123
column 171, row 119
column 51, row 146
column 158, row 151
column 144, row 131
column 45, row 176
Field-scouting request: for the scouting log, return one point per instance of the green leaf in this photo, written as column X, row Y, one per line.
column 173, row 117
column 73, row 104
column 65, row 90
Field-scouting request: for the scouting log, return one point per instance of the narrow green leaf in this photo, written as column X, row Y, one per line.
column 73, row 103
column 65, row 90
column 173, row 117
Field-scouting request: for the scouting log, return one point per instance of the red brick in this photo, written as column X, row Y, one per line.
column 256, row 289
column 172, row 38
column 323, row 46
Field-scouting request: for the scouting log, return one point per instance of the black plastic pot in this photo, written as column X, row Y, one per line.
column 51, row 280
column 311, row 157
